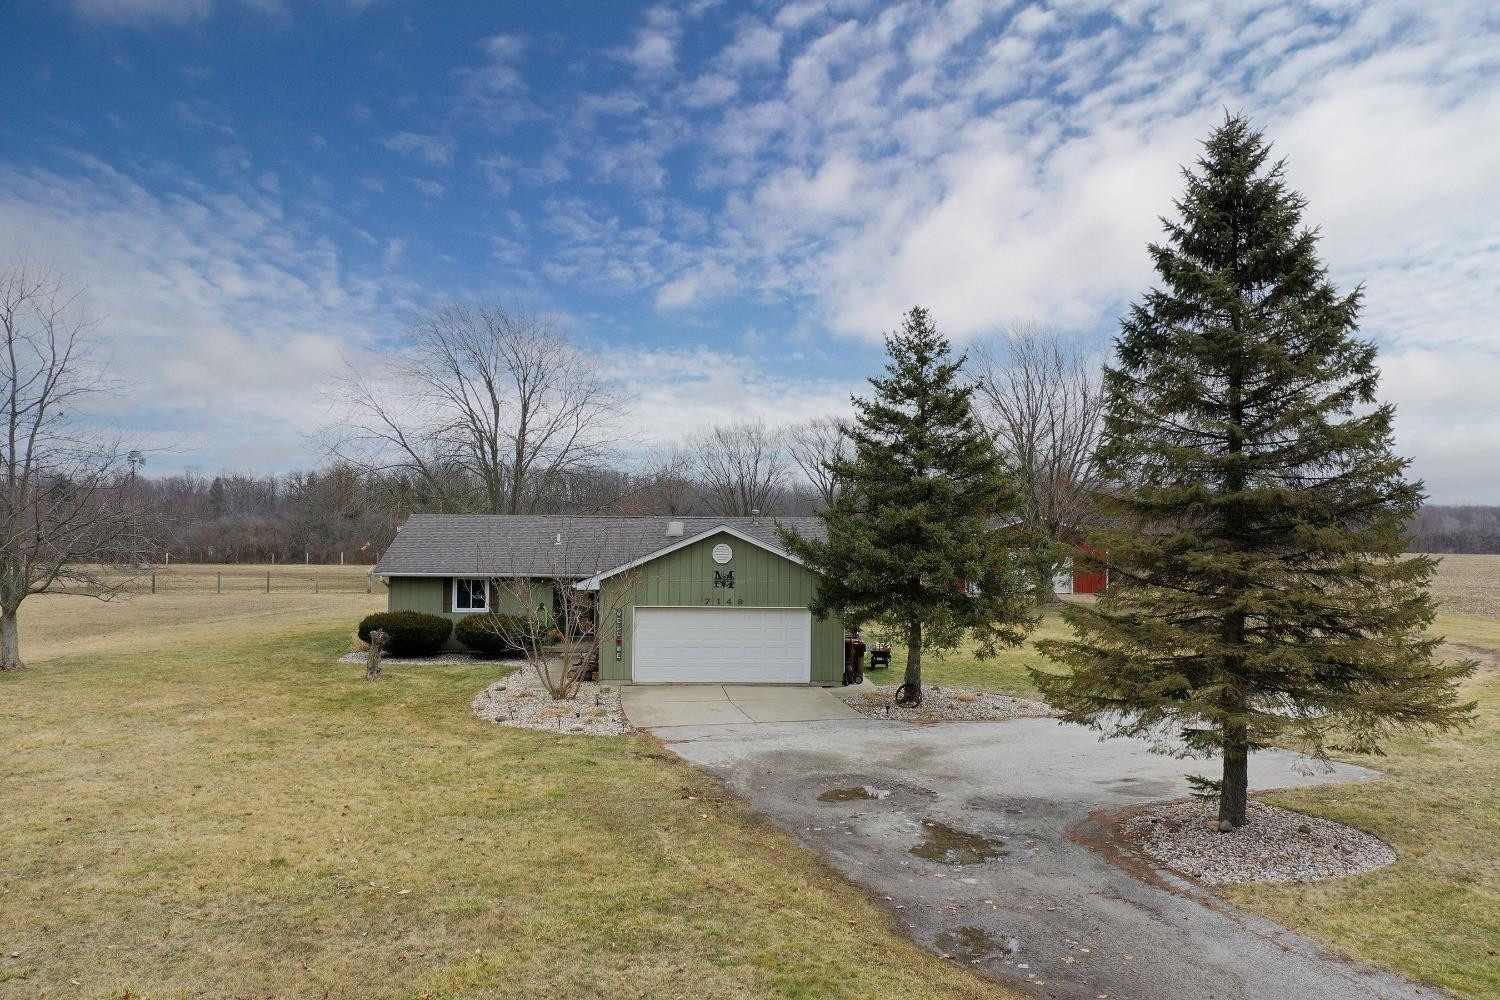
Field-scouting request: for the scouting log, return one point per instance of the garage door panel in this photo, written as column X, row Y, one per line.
column 722, row 645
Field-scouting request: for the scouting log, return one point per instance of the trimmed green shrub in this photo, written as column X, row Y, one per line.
column 492, row 634
column 412, row 633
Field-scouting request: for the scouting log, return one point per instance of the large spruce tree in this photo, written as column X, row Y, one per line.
column 1258, row 592
column 913, row 540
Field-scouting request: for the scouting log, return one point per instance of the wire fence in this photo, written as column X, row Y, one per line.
column 249, row 580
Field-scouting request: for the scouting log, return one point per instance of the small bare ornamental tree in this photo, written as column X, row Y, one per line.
column 66, row 517
column 563, row 628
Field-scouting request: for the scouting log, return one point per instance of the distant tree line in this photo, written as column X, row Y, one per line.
column 323, row 516
column 1455, row 529
column 338, row 513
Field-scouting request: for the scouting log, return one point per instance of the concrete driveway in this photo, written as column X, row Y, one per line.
column 963, row 830
column 650, row 706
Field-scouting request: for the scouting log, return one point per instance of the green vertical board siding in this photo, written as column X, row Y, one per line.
column 416, row 593
column 685, row 578
column 426, row 594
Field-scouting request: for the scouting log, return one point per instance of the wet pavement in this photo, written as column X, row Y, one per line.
column 982, row 839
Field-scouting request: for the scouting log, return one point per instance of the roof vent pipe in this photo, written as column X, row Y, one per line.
column 674, row 529
column 755, row 516
column 559, row 539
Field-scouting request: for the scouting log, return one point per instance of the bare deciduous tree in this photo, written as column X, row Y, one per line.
column 741, row 467
column 562, row 640
column 671, row 487
column 490, row 408
column 1042, row 402
column 813, row 445
column 66, row 520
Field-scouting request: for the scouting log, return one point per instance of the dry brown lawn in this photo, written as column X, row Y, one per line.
column 209, row 578
column 54, row 625
column 200, row 801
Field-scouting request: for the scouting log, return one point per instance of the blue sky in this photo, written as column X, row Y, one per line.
column 730, row 202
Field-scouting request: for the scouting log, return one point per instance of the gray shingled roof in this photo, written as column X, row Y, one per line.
column 527, row 544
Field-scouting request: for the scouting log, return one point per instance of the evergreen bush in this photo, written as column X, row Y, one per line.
column 492, row 634
column 412, row 633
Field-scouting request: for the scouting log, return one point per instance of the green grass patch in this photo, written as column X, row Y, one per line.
column 1469, row 630
column 1435, row 914
column 1006, row 673
column 245, row 817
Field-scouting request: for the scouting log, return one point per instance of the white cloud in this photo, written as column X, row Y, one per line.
column 504, row 48
column 224, row 320
column 678, row 393
column 146, row 11
column 997, row 161
column 998, row 164
column 1444, row 420
column 201, row 114
column 495, row 91
column 693, row 287
column 654, row 50
column 497, row 170
column 709, row 90
column 434, row 150
column 755, row 46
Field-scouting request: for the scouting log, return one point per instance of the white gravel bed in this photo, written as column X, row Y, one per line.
column 360, row 657
column 939, row 704
column 1277, row 845
column 519, row 700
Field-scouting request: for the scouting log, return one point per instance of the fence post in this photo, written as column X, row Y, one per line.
column 268, row 581
column 315, row 583
column 219, row 583
column 153, row 583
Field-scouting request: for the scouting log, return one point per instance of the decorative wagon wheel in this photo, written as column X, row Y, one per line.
column 909, row 695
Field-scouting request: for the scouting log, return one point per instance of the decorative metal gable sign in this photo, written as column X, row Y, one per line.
column 724, row 579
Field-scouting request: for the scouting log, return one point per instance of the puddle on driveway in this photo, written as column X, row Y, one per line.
column 975, row 943
column 856, row 794
column 945, row 845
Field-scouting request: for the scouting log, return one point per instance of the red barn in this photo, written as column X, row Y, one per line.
column 1082, row 574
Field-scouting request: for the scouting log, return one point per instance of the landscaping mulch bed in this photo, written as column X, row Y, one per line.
column 520, row 700
column 940, row 704
column 1277, row 845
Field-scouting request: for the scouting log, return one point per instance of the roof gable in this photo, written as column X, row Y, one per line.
column 592, row 583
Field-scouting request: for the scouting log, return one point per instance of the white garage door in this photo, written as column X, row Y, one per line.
column 723, row 645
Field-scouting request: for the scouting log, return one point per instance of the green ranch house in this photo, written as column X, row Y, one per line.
column 712, row 599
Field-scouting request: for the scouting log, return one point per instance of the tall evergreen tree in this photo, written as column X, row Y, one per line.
column 1258, row 592
column 912, row 541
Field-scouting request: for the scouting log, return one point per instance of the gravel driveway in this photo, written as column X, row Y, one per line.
column 963, row 829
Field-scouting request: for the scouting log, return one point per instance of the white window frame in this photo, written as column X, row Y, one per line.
column 471, row 611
